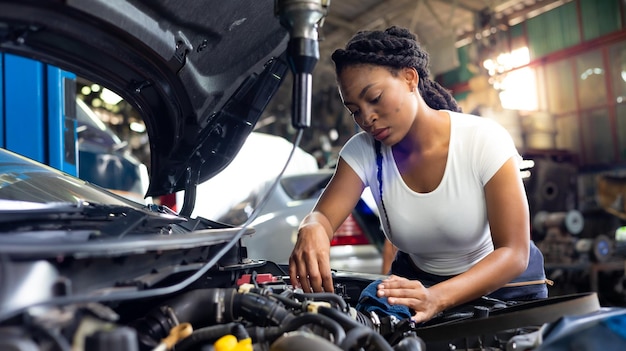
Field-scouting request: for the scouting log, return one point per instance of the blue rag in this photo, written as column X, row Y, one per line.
column 370, row 302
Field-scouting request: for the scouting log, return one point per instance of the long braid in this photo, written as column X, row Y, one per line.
column 394, row 48
column 379, row 176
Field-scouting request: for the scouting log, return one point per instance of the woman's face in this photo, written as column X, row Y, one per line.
column 382, row 103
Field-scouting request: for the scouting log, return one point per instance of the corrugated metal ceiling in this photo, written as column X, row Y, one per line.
column 441, row 26
column 434, row 21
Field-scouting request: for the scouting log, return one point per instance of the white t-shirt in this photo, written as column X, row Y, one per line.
column 445, row 231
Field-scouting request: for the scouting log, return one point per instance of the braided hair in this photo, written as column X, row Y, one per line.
column 394, row 48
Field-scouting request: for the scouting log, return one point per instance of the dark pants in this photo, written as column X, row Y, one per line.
column 403, row 266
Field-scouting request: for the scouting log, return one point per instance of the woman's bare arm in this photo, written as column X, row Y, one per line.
column 309, row 263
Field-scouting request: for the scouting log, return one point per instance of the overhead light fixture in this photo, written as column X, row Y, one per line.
column 109, row 97
column 137, row 127
column 516, row 84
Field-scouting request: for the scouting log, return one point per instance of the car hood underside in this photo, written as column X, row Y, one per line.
column 199, row 72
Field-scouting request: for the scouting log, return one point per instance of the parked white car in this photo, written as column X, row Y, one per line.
column 260, row 159
column 356, row 246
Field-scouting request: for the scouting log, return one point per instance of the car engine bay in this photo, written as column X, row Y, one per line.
column 241, row 304
column 81, row 269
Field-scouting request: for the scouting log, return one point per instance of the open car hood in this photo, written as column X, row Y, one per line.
column 199, row 72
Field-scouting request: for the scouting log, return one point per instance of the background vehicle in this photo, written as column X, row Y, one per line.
column 260, row 160
column 356, row 246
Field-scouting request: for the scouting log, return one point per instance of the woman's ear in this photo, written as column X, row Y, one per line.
column 411, row 77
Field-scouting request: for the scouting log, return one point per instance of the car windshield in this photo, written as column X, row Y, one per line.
column 25, row 184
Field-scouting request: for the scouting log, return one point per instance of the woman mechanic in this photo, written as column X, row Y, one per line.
column 447, row 185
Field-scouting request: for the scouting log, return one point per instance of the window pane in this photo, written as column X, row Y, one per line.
column 621, row 131
column 560, row 87
column 567, row 133
column 519, row 90
column 617, row 57
column 591, row 80
column 597, row 137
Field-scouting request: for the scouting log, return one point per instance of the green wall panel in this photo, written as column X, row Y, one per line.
column 460, row 74
column 516, row 31
column 552, row 31
column 600, row 17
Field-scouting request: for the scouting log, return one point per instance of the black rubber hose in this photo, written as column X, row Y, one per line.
column 344, row 320
column 262, row 335
column 410, row 343
column 209, row 335
column 240, row 332
column 207, row 307
column 355, row 339
column 200, row 307
column 286, row 301
column 270, row 334
column 353, row 327
column 260, row 309
column 325, row 322
column 324, row 296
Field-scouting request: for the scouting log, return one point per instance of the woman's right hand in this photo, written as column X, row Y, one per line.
column 309, row 263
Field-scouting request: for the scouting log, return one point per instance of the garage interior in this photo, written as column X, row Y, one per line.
column 570, row 127
column 139, row 139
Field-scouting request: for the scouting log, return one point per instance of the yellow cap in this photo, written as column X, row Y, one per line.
column 230, row 343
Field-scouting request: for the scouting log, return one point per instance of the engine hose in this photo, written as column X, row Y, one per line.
column 209, row 335
column 240, row 332
column 302, row 341
column 287, row 301
column 264, row 334
column 157, row 324
column 400, row 331
column 367, row 319
column 206, row 307
column 261, row 310
column 269, row 335
column 355, row 328
column 356, row 339
column 344, row 320
column 327, row 296
column 311, row 318
column 226, row 305
column 410, row 343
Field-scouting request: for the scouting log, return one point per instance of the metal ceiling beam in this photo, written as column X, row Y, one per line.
column 462, row 5
column 515, row 17
column 533, row 10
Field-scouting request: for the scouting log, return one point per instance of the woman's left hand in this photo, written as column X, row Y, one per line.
column 410, row 293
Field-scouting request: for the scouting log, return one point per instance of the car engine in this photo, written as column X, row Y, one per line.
column 148, row 279
column 250, row 305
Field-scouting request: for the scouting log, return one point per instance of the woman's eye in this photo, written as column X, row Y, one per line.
column 356, row 113
column 376, row 99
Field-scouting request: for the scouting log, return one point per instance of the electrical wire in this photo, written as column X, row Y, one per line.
column 126, row 295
